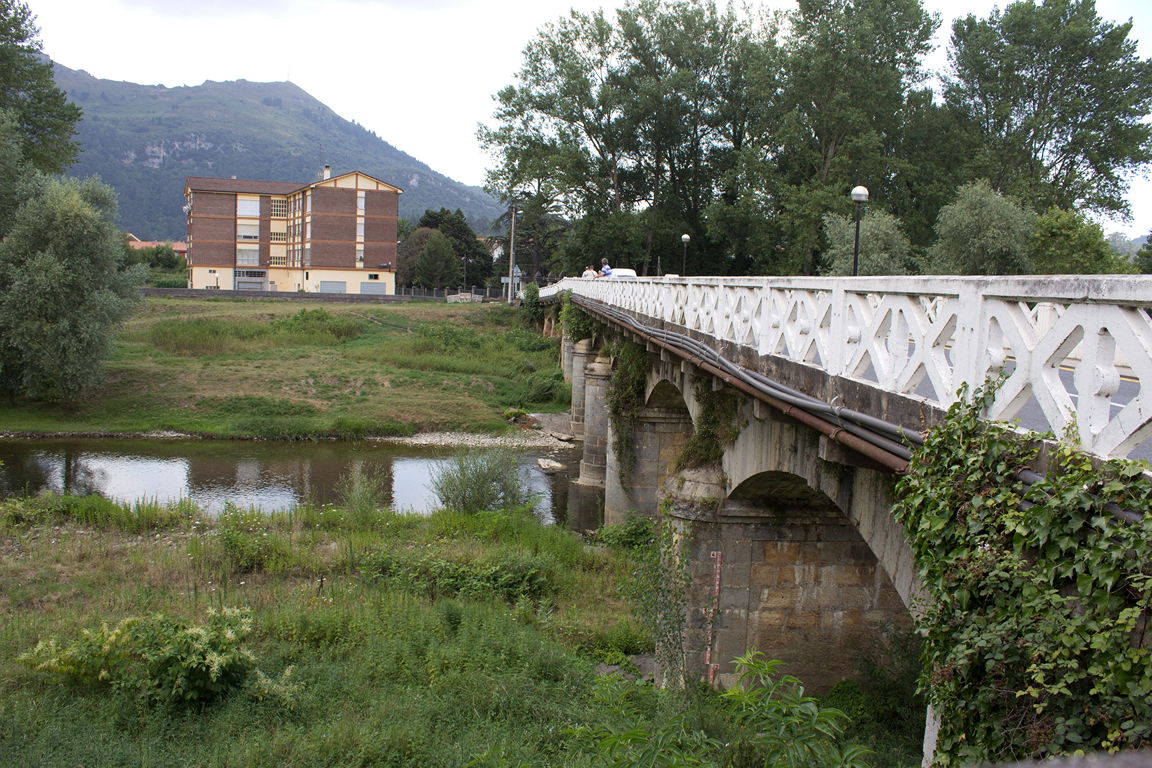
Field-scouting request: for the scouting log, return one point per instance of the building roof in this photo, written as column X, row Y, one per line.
column 251, row 187
column 242, row 186
column 136, row 244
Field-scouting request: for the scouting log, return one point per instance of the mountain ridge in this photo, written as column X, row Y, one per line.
column 144, row 140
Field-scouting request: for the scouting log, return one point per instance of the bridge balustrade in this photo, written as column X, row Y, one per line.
column 1077, row 348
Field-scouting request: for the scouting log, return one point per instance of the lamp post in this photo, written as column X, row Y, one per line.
column 859, row 197
column 684, row 238
column 512, row 248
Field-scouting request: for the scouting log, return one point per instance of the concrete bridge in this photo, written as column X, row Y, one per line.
column 793, row 549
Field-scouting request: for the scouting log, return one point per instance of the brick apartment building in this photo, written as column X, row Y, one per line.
column 336, row 235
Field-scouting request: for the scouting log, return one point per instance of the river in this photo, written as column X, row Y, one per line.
column 268, row 475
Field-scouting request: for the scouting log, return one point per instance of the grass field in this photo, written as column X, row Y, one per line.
column 230, row 368
column 347, row 635
column 378, row 639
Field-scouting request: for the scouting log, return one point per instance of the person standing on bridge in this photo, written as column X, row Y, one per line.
column 605, row 270
column 589, row 272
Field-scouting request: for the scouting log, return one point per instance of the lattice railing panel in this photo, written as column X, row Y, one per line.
column 1078, row 350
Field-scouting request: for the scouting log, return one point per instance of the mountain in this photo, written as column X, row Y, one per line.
column 144, row 139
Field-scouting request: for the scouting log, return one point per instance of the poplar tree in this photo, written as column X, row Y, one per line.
column 45, row 119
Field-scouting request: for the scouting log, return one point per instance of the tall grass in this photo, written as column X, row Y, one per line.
column 98, row 512
column 209, row 335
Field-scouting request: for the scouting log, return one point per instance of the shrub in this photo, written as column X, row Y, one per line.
column 634, row 533
column 161, row 658
column 509, row 576
column 480, row 480
column 531, row 303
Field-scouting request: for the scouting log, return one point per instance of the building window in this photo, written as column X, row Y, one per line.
column 251, row 273
column 359, row 229
column 248, row 206
column 373, row 275
column 278, row 237
column 247, row 230
column 360, row 201
column 279, row 208
column 277, row 261
column 359, row 255
column 307, row 201
column 307, row 255
column 247, row 256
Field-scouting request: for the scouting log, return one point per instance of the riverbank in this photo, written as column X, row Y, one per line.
column 361, row 637
column 272, row 370
column 516, row 440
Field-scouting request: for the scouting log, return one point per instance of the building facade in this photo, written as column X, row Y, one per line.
column 336, row 235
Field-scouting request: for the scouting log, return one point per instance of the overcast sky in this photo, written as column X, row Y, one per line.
column 420, row 73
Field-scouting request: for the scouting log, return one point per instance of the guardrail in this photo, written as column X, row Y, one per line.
column 1078, row 348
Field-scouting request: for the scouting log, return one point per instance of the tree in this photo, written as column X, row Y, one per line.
column 850, row 66
column 62, row 290
column 46, row 121
column 982, row 233
column 477, row 261
column 437, row 266
column 1144, row 256
column 408, row 252
column 1065, row 243
column 1060, row 99
column 884, row 250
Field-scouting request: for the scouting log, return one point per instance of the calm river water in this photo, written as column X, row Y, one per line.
column 268, row 475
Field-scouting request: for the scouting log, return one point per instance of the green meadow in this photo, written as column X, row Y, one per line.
column 280, row 370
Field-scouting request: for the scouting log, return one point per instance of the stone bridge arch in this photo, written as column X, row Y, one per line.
column 792, row 545
column 793, row 552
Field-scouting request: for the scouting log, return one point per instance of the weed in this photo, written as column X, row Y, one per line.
column 160, row 658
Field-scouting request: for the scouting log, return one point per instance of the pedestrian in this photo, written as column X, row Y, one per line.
column 589, row 272
column 605, row 270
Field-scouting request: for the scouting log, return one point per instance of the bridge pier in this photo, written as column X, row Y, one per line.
column 657, row 441
column 595, row 457
column 566, row 344
column 793, row 580
column 578, row 356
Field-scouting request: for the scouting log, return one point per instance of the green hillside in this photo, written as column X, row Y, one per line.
column 144, row 139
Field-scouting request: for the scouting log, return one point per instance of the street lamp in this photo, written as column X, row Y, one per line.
column 512, row 248
column 684, row 238
column 859, row 197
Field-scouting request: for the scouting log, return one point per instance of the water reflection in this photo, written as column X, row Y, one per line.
column 270, row 476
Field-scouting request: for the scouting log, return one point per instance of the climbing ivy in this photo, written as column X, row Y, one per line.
column 657, row 587
column 577, row 324
column 625, row 398
column 717, row 427
column 1036, row 632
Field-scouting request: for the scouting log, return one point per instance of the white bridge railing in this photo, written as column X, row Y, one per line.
column 1077, row 350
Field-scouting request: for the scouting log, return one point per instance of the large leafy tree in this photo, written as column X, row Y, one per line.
column 1059, row 98
column 62, row 290
column 45, row 119
column 626, row 119
column 850, row 67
